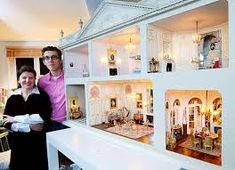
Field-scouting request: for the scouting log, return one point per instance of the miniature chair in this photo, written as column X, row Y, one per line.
column 196, row 142
column 218, row 141
column 208, row 143
column 4, row 141
column 172, row 142
column 5, row 151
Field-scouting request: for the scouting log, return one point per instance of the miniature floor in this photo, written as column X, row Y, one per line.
column 178, row 149
column 144, row 139
column 135, row 131
column 196, row 154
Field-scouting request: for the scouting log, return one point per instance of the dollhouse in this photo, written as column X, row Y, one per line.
column 157, row 72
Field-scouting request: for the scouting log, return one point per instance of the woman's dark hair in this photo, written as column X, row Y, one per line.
column 25, row 68
column 52, row 48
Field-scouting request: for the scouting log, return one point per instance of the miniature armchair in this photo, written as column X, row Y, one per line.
column 196, row 142
column 208, row 143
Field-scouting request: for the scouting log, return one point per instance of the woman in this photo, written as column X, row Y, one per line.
column 27, row 115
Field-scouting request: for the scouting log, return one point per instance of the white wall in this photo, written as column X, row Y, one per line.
column 184, row 50
column 125, row 66
column 181, row 48
column 79, row 60
column 4, row 67
column 100, row 105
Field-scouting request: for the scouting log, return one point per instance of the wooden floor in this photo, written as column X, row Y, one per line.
column 195, row 154
column 178, row 149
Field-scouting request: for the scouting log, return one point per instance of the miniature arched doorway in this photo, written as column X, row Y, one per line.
column 195, row 118
column 174, row 113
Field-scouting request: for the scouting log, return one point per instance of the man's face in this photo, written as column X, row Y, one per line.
column 52, row 61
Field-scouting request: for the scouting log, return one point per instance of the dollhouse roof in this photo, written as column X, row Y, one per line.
column 112, row 15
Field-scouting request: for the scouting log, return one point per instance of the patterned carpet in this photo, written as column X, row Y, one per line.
column 134, row 132
column 214, row 152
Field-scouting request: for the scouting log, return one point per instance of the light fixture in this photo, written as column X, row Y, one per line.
column 196, row 37
column 207, row 109
column 130, row 47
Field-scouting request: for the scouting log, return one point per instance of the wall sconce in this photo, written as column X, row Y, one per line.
column 196, row 37
column 130, row 47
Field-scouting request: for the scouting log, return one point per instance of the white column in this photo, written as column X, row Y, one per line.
column 52, row 154
column 90, row 47
column 143, row 47
column 231, row 33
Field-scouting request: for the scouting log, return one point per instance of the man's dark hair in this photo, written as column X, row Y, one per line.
column 52, row 48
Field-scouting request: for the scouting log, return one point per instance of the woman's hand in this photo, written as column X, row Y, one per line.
column 7, row 119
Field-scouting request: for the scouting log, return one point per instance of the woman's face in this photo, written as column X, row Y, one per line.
column 27, row 80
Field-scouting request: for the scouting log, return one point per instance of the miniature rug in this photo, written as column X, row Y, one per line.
column 188, row 144
column 133, row 132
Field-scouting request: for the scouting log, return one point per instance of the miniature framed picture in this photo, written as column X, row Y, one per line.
column 112, row 56
column 139, row 96
column 113, row 103
column 74, row 105
column 139, row 105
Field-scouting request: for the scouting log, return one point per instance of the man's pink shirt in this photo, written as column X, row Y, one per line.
column 54, row 87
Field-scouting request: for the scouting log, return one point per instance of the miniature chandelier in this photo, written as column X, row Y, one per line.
column 196, row 37
column 206, row 109
column 130, row 47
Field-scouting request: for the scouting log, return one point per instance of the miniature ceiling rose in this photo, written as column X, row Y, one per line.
column 94, row 92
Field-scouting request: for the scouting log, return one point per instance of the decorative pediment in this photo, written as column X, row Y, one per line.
column 110, row 15
column 158, row 3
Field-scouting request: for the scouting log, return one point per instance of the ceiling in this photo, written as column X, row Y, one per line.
column 207, row 16
column 42, row 20
column 122, row 37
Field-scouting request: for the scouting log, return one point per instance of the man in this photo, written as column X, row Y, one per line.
column 53, row 83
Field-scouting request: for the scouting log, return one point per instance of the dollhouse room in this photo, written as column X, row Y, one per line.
column 124, row 108
column 194, row 123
